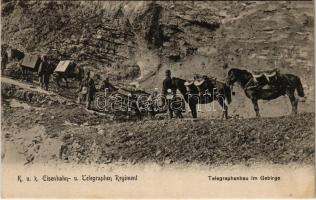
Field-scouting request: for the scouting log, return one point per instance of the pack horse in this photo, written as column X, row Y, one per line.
column 267, row 85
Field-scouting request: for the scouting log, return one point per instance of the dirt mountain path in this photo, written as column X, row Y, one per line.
column 24, row 85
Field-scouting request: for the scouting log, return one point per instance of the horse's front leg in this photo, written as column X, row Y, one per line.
column 225, row 112
column 66, row 82
column 256, row 107
column 23, row 74
column 138, row 114
column 293, row 100
column 170, row 110
column 58, row 82
column 221, row 101
column 193, row 110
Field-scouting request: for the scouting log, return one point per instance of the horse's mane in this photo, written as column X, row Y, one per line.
column 179, row 79
column 179, row 84
column 240, row 70
column 176, row 81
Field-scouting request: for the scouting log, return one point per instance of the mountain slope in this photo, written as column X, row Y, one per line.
column 139, row 39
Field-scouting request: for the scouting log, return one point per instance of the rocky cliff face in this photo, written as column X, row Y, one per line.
column 140, row 39
column 202, row 36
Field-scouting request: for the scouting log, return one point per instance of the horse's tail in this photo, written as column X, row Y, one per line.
column 227, row 92
column 299, row 88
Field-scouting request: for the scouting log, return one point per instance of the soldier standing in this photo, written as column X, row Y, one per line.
column 87, row 90
column 44, row 73
column 152, row 101
column 47, row 74
column 167, row 84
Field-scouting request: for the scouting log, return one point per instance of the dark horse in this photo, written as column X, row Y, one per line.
column 75, row 72
column 193, row 96
column 215, row 90
column 286, row 85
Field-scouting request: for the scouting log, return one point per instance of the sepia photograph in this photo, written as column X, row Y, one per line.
column 157, row 99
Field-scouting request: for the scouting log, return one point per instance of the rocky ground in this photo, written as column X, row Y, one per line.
column 135, row 42
column 59, row 131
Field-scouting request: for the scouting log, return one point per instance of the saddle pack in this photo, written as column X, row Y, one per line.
column 199, row 82
column 265, row 79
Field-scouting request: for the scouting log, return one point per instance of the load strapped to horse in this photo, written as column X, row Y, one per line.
column 202, row 91
column 266, row 85
column 265, row 79
column 210, row 89
column 213, row 88
column 67, row 69
column 29, row 64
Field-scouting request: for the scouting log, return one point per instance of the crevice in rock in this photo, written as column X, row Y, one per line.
column 204, row 24
column 155, row 35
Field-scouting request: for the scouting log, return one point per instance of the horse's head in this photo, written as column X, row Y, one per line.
column 232, row 76
column 242, row 76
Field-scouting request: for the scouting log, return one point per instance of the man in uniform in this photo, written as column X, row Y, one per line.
column 167, row 84
column 44, row 72
column 152, row 104
column 87, row 90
